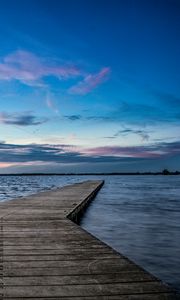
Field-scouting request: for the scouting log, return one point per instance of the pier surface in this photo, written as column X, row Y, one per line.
column 45, row 255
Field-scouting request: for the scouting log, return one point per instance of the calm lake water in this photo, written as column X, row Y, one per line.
column 138, row 216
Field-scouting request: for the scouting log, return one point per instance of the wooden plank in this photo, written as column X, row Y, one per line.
column 76, row 251
column 83, row 290
column 162, row 296
column 44, row 255
column 59, row 257
column 78, row 279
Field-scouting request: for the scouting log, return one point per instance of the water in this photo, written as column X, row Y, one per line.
column 137, row 215
column 20, row 186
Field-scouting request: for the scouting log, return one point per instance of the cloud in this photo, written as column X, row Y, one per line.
column 133, row 114
column 89, row 118
column 51, row 104
column 73, row 117
column 142, row 133
column 5, row 165
column 11, row 153
column 118, row 151
column 30, row 69
column 149, row 151
column 68, row 154
column 90, row 82
column 129, row 113
column 21, row 119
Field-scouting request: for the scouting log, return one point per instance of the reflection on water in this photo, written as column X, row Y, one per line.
column 137, row 215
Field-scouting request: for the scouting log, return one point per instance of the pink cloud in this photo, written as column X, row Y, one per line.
column 90, row 82
column 117, row 151
column 6, row 164
column 18, row 164
column 29, row 154
column 30, row 69
column 51, row 104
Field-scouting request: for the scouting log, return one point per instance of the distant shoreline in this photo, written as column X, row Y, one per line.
column 86, row 174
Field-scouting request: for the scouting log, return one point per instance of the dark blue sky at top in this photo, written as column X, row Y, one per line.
column 139, row 41
column 137, row 37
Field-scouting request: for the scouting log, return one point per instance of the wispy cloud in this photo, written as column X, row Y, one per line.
column 30, row 69
column 6, row 164
column 79, row 117
column 51, row 104
column 21, row 119
column 118, row 151
column 134, row 115
column 73, row 117
column 142, row 133
column 90, row 82
column 63, row 153
column 156, row 150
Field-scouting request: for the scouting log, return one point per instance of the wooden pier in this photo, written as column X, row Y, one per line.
column 45, row 255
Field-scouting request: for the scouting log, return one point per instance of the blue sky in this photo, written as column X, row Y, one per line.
column 89, row 86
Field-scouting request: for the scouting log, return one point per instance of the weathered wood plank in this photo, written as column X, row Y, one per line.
column 59, row 257
column 158, row 296
column 44, row 255
column 78, row 279
column 83, row 290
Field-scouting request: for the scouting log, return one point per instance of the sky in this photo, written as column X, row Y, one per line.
column 89, row 86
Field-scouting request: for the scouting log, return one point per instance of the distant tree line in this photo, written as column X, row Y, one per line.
column 164, row 172
column 167, row 172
